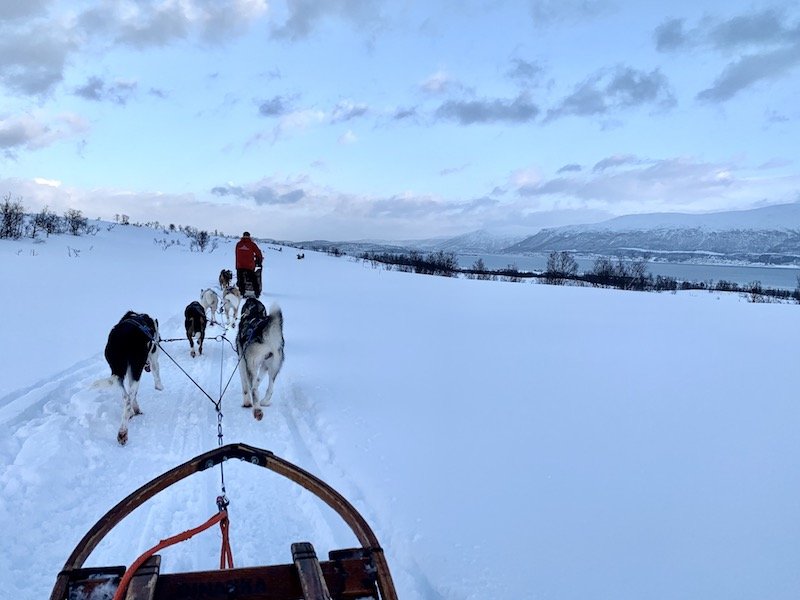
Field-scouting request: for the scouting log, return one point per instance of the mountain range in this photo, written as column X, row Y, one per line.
column 769, row 234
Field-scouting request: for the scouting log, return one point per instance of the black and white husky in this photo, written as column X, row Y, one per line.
column 131, row 348
column 195, row 323
column 259, row 343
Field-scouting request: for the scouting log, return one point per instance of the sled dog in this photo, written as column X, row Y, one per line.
column 210, row 301
column 259, row 343
column 225, row 279
column 230, row 303
column 195, row 322
column 131, row 348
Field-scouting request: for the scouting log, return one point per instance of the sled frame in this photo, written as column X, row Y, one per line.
column 370, row 547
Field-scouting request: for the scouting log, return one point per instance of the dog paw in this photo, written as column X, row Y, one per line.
column 258, row 414
column 193, row 353
column 122, row 437
column 159, row 386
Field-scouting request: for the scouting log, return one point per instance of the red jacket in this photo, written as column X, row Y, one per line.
column 248, row 254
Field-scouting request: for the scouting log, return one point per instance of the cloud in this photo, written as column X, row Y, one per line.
column 570, row 168
column 289, row 123
column 33, row 131
column 748, row 70
column 263, row 192
column 548, row 12
column 670, row 36
column 32, row 59
column 614, row 90
column 769, row 36
column 348, row 137
column 97, row 90
column 470, row 112
column 313, row 211
column 48, row 182
column 441, row 83
column 524, row 71
column 34, row 52
column 404, row 113
column 758, row 29
column 633, row 184
column 304, row 15
column 615, row 161
column 144, row 25
column 347, row 111
column 274, row 107
column 454, row 170
column 15, row 9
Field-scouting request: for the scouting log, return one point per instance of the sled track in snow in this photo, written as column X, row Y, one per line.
column 61, row 456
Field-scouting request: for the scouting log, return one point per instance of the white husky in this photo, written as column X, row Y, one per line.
column 210, row 301
column 231, row 298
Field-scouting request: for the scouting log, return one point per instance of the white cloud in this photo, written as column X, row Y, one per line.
column 440, row 82
column 48, row 182
column 348, row 137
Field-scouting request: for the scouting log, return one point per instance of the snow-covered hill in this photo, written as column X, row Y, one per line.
column 768, row 234
column 503, row 440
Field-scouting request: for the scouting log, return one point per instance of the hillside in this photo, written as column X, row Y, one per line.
column 769, row 235
column 615, row 444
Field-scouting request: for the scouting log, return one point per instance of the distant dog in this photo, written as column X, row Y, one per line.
column 195, row 322
column 210, row 301
column 225, row 278
column 131, row 348
column 230, row 303
column 259, row 343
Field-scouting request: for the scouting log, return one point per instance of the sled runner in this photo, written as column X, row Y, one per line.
column 348, row 574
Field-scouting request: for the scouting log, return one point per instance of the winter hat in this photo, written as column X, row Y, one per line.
column 246, row 234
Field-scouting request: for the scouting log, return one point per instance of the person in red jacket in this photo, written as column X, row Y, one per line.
column 248, row 258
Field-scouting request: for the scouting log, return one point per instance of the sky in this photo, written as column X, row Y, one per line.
column 617, row 445
column 359, row 119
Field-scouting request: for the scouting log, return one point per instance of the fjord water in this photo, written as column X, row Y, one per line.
column 772, row 277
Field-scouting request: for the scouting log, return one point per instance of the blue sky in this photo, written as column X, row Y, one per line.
column 357, row 119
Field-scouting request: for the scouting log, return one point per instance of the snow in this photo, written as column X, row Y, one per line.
column 503, row 440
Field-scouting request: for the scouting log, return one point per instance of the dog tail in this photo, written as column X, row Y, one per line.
column 275, row 310
column 276, row 318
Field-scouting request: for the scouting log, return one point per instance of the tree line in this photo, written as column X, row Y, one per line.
column 562, row 268
column 15, row 223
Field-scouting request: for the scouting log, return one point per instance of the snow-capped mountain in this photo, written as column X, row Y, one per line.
column 478, row 242
column 769, row 234
column 474, row 242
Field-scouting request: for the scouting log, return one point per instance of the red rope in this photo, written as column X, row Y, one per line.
column 221, row 517
column 225, row 553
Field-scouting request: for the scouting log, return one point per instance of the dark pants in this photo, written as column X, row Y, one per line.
column 243, row 276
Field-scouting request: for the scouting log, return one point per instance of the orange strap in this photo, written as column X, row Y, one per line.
column 221, row 517
column 225, row 554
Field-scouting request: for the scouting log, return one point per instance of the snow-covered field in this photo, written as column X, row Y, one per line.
column 503, row 440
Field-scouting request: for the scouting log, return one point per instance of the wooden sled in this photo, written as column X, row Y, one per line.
column 348, row 574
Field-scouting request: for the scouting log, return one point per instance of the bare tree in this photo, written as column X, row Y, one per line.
column 47, row 221
column 75, row 221
column 560, row 266
column 12, row 217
